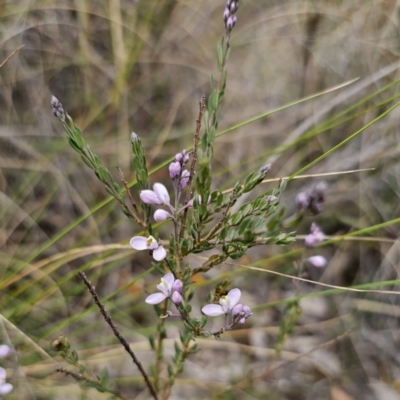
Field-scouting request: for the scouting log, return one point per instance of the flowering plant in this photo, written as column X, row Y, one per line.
column 202, row 219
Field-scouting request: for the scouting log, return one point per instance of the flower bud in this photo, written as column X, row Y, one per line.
column 231, row 22
column 186, row 156
column 134, row 137
column 226, row 14
column 176, row 298
column 149, row 197
column 174, row 170
column 57, row 108
column 317, row 261
column 247, row 312
column 265, row 168
column 161, row 215
column 233, row 7
column 177, row 286
column 184, row 179
column 237, row 310
column 178, row 157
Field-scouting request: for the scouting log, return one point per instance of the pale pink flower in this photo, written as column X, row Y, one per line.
column 169, row 287
column 149, row 243
column 226, row 304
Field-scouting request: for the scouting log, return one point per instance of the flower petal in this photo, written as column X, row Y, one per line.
column 6, row 388
column 155, row 298
column 149, row 197
column 161, row 191
column 159, row 254
column 5, row 350
column 234, row 297
column 212, row 310
column 317, row 261
column 170, row 279
column 139, row 243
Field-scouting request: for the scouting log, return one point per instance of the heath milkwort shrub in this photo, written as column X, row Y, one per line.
column 202, row 219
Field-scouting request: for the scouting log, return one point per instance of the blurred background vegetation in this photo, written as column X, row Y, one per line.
column 119, row 66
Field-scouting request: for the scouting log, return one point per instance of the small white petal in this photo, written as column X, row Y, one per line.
column 212, row 310
column 234, row 297
column 161, row 191
column 159, row 254
column 317, row 261
column 170, row 279
column 149, row 197
column 155, row 298
column 6, row 388
column 139, row 243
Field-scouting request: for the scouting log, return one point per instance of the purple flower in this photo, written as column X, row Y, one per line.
column 183, row 157
column 159, row 195
column 5, row 388
column 303, row 201
column 174, row 170
column 169, row 287
column 5, row 350
column 178, row 157
column 143, row 243
column 317, row 261
column 315, row 237
column 226, row 304
column 312, row 200
column 161, row 215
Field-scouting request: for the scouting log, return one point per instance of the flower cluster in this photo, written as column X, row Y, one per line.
column 312, row 200
column 169, row 287
column 227, row 304
column 5, row 387
column 57, row 108
column 179, row 175
column 229, row 14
